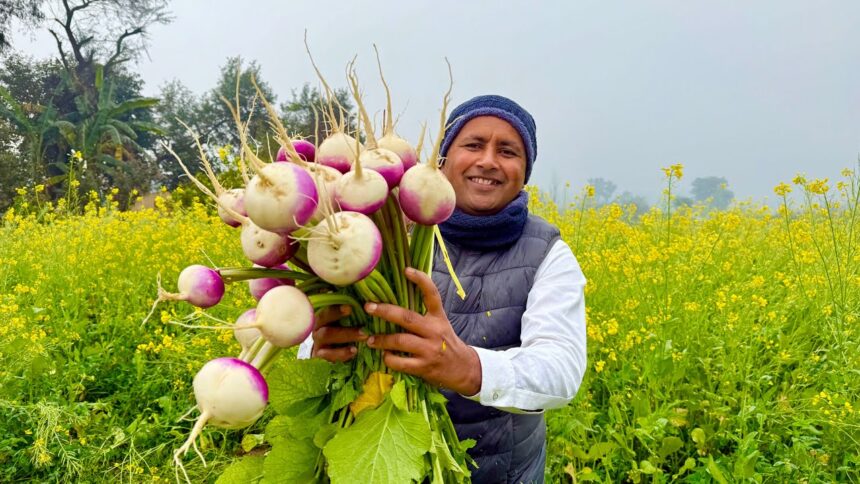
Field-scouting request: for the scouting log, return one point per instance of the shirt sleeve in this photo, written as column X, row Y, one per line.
column 305, row 348
column 546, row 370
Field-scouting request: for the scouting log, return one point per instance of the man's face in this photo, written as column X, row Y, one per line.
column 486, row 164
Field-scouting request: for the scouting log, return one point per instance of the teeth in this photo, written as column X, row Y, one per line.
column 483, row 181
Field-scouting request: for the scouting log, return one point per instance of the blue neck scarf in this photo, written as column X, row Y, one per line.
column 488, row 232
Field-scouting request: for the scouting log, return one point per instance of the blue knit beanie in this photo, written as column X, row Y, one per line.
column 500, row 107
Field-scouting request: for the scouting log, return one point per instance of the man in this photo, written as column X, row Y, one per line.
column 516, row 345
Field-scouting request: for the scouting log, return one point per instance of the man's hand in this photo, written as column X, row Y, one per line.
column 334, row 343
column 433, row 351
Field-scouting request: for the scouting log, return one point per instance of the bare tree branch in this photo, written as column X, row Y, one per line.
column 67, row 26
column 115, row 58
column 63, row 58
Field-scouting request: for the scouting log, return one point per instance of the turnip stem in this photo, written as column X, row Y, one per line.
column 254, row 349
column 397, row 249
column 319, row 301
column 236, row 274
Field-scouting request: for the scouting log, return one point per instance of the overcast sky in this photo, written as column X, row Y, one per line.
column 751, row 91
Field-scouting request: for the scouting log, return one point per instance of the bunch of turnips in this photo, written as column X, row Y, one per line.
column 330, row 225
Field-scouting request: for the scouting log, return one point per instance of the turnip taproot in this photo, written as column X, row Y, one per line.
column 390, row 140
column 383, row 161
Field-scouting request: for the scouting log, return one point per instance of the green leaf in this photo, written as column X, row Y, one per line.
column 325, row 433
column 345, row 395
column 302, row 420
column 132, row 104
column 398, row 395
column 715, row 471
column 291, row 460
column 249, row 441
column 437, row 397
column 698, row 436
column 443, row 453
column 383, row 445
column 745, row 466
column 600, row 449
column 670, row 445
column 689, row 465
column 246, row 470
column 648, row 468
column 277, row 429
column 294, row 380
column 576, row 451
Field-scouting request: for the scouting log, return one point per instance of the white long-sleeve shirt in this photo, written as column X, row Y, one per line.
column 546, row 370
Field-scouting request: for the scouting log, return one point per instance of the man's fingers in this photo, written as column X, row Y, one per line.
column 432, row 299
column 403, row 364
column 335, row 355
column 330, row 335
column 406, row 319
column 331, row 314
column 403, row 342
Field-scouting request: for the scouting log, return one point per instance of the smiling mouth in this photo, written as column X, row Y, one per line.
column 484, row 181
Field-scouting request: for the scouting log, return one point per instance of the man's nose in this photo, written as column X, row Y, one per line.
column 488, row 159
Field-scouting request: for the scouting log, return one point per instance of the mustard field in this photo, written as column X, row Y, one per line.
column 723, row 345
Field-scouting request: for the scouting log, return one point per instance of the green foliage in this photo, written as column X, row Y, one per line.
column 718, row 350
column 41, row 103
column 303, row 116
column 247, row 470
column 297, row 381
column 384, row 445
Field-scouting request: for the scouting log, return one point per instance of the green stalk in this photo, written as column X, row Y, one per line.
column 416, row 244
column 300, row 259
column 382, row 284
column 388, row 245
column 269, row 359
column 253, row 350
column 399, row 235
column 365, row 292
column 308, row 282
column 319, row 301
column 316, row 287
column 236, row 274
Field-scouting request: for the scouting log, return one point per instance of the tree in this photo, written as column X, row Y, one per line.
column 603, row 190
column 85, row 40
column 211, row 120
column 107, row 137
column 219, row 126
column 27, row 12
column 28, row 119
column 302, row 114
column 178, row 103
column 86, row 100
column 627, row 198
column 712, row 188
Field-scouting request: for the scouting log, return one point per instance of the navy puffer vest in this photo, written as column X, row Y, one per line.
column 510, row 447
